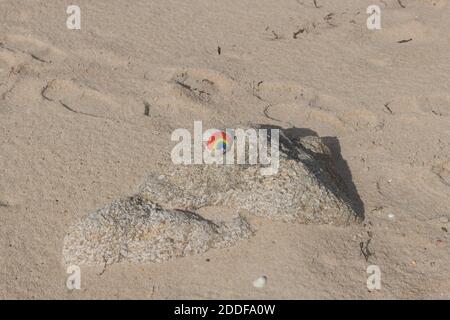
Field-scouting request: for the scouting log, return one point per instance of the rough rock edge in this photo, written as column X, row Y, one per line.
column 136, row 230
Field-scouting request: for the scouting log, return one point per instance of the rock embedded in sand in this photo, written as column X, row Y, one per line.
column 136, row 230
column 158, row 223
column 306, row 189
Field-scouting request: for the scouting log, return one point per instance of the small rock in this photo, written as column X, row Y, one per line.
column 391, row 216
column 443, row 219
column 260, row 282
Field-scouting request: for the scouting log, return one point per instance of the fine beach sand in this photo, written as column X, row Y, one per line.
column 86, row 115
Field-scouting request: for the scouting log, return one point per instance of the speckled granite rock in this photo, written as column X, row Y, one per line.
column 158, row 224
column 306, row 188
column 136, row 230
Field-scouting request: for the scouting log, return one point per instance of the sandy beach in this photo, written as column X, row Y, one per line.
column 87, row 114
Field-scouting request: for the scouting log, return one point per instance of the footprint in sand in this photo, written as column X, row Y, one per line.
column 36, row 49
column 19, row 84
column 283, row 92
column 23, row 92
column 106, row 58
column 171, row 107
column 194, row 94
column 81, row 100
column 297, row 106
column 22, row 61
column 203, row 85
column 362, row 119
column 302, row 115
column 435, row 105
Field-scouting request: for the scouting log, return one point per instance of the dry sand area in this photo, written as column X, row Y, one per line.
column 86, row 115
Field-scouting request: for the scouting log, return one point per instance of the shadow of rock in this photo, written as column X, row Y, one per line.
column 334, row 164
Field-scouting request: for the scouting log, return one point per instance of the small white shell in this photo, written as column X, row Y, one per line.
column 443, row 219
column 260, row 282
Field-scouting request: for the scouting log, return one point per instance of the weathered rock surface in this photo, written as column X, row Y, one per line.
column 136, row 230
column 306, row 189
column 158, row 224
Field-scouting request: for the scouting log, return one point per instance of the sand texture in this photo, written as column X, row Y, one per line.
column 86, row 176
